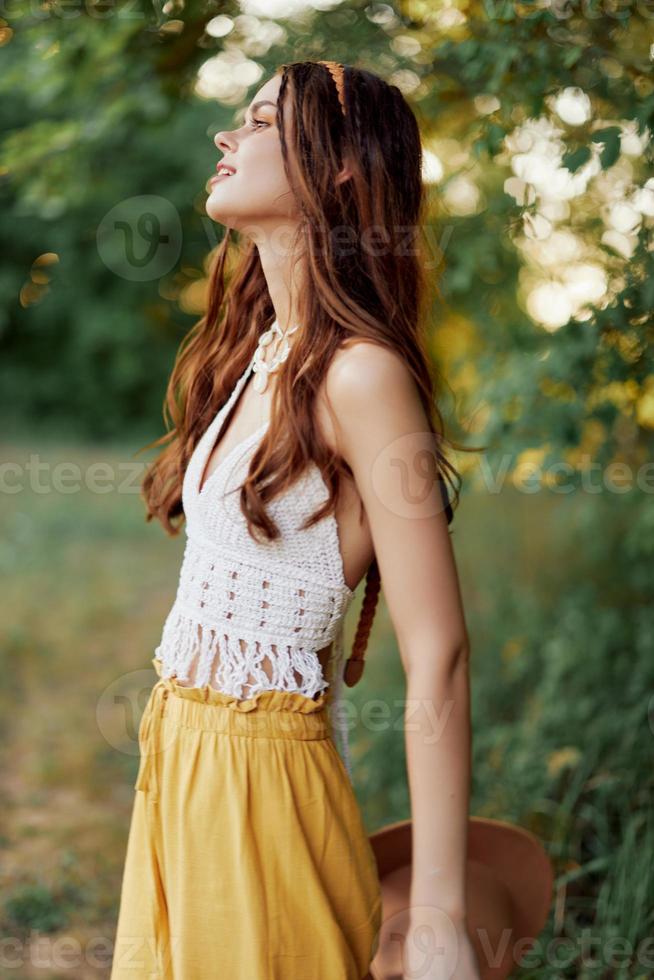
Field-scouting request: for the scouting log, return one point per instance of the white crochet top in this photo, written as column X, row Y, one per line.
column 250, row 616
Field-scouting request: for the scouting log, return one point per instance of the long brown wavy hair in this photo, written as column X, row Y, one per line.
column 353, row 292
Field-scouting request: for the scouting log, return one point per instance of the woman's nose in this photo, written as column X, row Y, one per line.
column 223, row 141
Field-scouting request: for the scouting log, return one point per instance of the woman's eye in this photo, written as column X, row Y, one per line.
column 258, row 122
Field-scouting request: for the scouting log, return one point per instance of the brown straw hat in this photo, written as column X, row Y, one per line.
column 509, row 887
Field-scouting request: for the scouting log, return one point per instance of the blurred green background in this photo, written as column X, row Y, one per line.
column 536, row 122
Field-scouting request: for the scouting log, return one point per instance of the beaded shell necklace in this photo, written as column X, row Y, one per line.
column 262, row 369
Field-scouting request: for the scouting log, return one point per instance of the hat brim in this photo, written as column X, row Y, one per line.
column 509, row 883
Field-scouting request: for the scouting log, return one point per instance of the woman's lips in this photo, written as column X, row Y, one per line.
column 217, row 177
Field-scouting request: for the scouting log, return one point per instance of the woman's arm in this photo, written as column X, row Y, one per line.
column 382, row 432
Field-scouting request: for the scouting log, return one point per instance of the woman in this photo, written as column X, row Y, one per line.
column 247, row 855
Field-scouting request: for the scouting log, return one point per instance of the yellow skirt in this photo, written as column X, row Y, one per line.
column 247, row 856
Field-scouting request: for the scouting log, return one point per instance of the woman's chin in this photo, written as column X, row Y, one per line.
column 219, row 211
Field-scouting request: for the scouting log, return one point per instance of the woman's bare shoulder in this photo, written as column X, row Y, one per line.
column 361, row 372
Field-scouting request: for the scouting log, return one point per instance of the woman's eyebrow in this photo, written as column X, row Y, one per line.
column 256, row 105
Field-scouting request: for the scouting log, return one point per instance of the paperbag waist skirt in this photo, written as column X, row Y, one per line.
column 246, row 855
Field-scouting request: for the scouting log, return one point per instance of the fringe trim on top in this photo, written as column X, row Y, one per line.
column 221, row 662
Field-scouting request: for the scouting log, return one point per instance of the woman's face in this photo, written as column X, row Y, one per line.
column 256, row 194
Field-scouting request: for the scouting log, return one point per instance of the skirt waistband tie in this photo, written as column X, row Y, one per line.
column 149, row 738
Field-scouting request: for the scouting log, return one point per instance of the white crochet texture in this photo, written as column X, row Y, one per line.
column 251, row 615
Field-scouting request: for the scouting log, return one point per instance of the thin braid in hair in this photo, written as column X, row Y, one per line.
column 355, row 663
column 337, row 71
